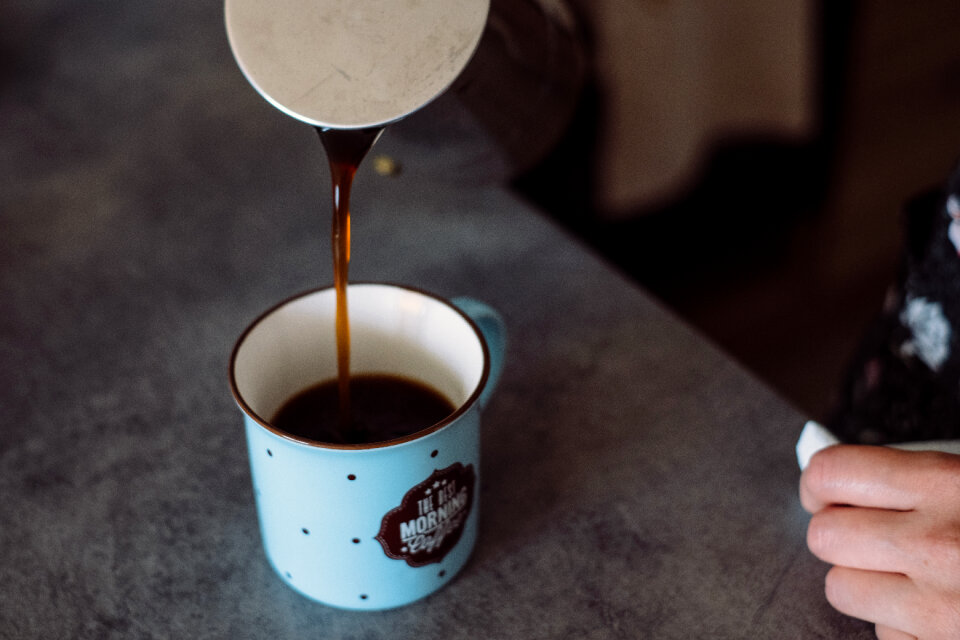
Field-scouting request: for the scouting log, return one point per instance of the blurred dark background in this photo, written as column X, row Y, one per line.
column 746, row 161
column 780, row 232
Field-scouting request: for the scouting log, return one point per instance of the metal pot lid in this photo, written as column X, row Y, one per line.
column 352, row 64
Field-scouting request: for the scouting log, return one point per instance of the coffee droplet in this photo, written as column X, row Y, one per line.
column 385, row 165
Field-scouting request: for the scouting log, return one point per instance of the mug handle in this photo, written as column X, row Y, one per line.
column 494, row 333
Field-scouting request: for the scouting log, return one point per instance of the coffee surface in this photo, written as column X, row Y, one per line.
column 384, row 407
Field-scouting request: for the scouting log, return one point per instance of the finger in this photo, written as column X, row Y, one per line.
column 886, row 633
column 808, row 499
column 858, row 538
column 878, row 477
column 886, row 599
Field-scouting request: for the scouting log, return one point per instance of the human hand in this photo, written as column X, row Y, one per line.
column 889, row 522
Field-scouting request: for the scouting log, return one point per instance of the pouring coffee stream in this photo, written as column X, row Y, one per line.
column 345, row 151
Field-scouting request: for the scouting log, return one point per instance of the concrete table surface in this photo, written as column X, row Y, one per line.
column 636, row 481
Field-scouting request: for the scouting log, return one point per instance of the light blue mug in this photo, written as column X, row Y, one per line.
column 377, row 525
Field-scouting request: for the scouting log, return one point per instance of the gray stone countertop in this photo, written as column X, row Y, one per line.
column 636, row 481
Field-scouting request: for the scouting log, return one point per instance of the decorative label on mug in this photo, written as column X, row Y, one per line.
column 430, row 519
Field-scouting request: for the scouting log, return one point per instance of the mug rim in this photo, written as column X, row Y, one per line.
column 381, row 444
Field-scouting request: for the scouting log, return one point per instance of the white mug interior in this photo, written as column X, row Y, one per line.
column 394, row 330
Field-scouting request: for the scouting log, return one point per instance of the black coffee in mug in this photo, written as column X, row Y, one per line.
column 383, row 407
